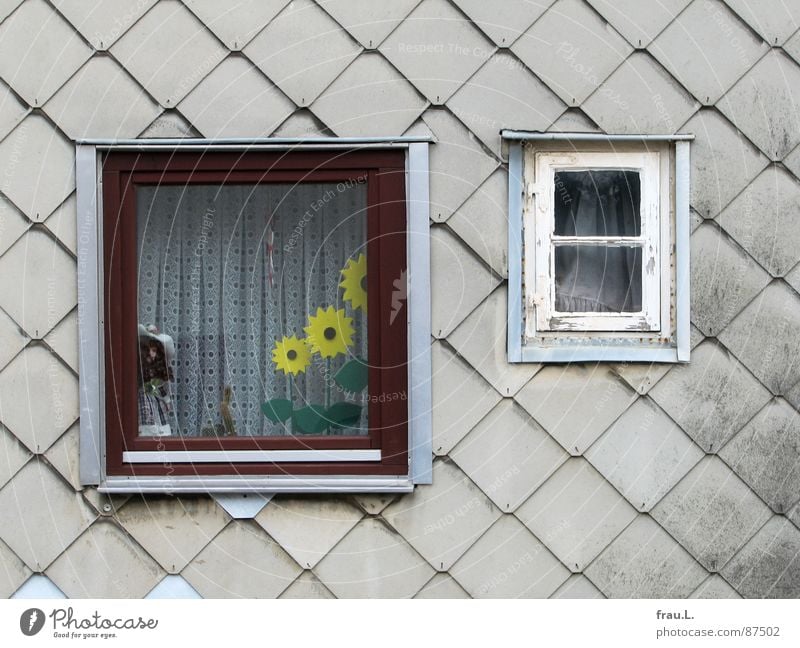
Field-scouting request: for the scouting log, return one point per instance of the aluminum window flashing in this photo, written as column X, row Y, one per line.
column 250, row 484
column 595, row 346
column 537, row 136
column 254, row 144
column 91, row 344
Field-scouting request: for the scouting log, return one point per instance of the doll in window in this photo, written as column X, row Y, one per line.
column 156, row 353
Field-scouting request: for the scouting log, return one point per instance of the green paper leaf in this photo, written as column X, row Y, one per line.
column 353, row 376
column 344, row 414
column 310, row 420
column 277, row 410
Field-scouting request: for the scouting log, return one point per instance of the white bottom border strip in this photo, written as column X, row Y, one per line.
column 498, row 623
column 248, row 456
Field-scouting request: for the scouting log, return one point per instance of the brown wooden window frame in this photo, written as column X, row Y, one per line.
column 385, row 170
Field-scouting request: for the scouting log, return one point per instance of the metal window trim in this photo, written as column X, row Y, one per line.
column 616, row 349
column 516, row 189
column 254, row 144
column 90, row 324
column 538, row 136
column 598, row 353
column 262, row 484
column 248, row 456
column 91, row 369
column 418, row 304
column 682, row 254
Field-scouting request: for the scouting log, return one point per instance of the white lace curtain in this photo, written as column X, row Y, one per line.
column 207, row 280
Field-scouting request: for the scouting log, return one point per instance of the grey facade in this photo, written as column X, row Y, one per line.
column 583, row 480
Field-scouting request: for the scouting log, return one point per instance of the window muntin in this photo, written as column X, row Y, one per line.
column 384, row 450
column 594, row 221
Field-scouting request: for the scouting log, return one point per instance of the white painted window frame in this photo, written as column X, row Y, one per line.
column 536, row 332
column 540, row 312
column 91, row 343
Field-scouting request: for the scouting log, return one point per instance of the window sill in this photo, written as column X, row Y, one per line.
column 587, row 353
column 260, row 484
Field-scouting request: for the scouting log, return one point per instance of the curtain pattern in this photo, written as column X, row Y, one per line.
column 205, row 278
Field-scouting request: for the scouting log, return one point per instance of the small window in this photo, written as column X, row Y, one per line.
column 599, row 249
column 256, row 321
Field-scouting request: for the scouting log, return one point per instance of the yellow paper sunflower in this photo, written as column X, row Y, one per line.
column 355, row 282
column 330, row 332
column 291, row 355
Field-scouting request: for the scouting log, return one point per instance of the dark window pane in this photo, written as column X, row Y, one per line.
column 598, row 279
column 597, row 203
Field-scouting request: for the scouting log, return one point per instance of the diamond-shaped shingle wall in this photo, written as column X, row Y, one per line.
column 566, row 481
column 707, row 48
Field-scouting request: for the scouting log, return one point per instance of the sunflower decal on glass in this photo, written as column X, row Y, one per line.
column 330, row 332
column 354, row 282
column 291, row 355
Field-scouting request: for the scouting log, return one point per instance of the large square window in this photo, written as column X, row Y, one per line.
column 257, row 331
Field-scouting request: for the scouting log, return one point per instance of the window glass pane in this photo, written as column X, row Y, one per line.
column 597, row 203
column 598, row 279
column 257, row 296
